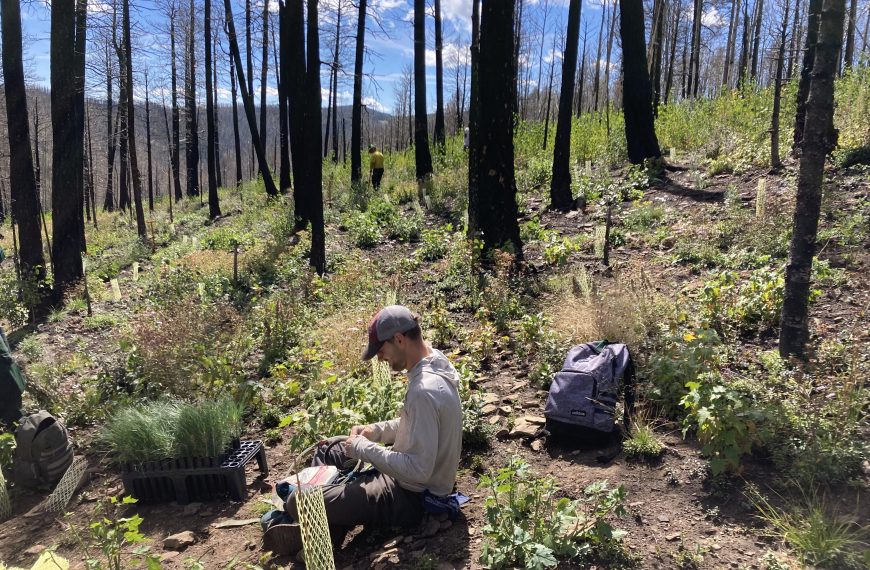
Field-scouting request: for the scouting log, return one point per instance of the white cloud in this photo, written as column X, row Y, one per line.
column 96, row 7
column 553, row 54
column 456, row 10
column 712, row 18
column 373, row 103
column 450, row 54
column 381, row 6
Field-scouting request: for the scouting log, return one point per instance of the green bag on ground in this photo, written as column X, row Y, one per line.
column 12, row 384
column 43, row 451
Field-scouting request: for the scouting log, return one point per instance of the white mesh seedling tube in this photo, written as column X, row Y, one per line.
column 58, row 500
column 314, row 527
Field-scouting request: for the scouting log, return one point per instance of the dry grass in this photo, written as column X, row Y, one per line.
column 171, row 343
column 342, row 336
column 623, row 309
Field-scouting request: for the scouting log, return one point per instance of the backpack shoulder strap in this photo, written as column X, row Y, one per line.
column 628, row 386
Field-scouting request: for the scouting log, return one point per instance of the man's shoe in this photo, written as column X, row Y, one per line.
column 283, row 539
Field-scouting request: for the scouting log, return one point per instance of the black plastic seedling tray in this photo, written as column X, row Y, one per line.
column 194, row 478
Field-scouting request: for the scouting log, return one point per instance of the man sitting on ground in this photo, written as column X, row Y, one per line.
column 426, row 441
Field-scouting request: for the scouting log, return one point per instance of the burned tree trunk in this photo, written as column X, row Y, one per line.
column 756, row 42
column 422, row 156
column 192, row 135
column 474, row 127
column 356, row 109
column 314, row 176
column 264, row 73
column 148, row 146
column 438, row 138
column 775, row 162
column 640, row 134
column 814, row 10
column 247, row 101
column 819, row 140
column 560, row 186
column 694, row 58
column 237, row 143
column 65, row 202
column 23, row 197
column 283, row 80
column 214, row 209
column 127, row 70
column 293, row 47
column 175, row 157
column 498, row 207
column 849, row 52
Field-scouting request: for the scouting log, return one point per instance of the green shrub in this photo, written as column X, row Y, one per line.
column 527, row 526
column 682, row 358
column 406, row 228
column 851, row 156
column 726, row 420
column 332, row 405
column 31, row 348
column 102, row 321
column 363, row 230
column 436, row 243
column 644, row 215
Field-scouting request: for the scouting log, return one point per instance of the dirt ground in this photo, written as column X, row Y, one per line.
column 670, row 506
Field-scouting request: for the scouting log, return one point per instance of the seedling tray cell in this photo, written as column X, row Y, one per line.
column 194, row 478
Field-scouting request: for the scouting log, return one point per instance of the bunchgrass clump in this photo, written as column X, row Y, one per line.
column 642, row 443
column 166, row 429
column 205, row 429
column 142, row 433
column 819, row 538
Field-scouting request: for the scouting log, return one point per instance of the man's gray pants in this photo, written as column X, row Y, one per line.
column 370, row 499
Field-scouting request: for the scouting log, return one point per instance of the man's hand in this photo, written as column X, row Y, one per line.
column 365, row 431
column 357, row 432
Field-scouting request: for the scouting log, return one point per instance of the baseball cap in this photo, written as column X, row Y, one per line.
column 387, row 322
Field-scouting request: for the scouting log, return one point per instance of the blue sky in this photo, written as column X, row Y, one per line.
column 390, row 44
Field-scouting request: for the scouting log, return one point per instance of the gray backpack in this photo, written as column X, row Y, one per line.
column 43, row 451
column 583, row 396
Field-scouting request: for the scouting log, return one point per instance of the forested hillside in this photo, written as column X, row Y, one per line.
column 189, row 269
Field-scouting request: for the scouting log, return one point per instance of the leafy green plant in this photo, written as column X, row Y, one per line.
column 31, row 347
column 406, row 228
column 282, row 324
column 441, row 323
column 363, row 230
column 7, row 450
column 726, row 420
column 102, row 321
column 436, row 243
column 116, row 536
column 819, row 538
column 332, row 404
column 557, row 250
column 644, row 215
column 528, row 526
column 476, row 432
column 688, row 558
column 682, row 357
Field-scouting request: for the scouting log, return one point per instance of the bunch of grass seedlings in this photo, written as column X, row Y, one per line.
column 167, row 429
column 207, row 428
